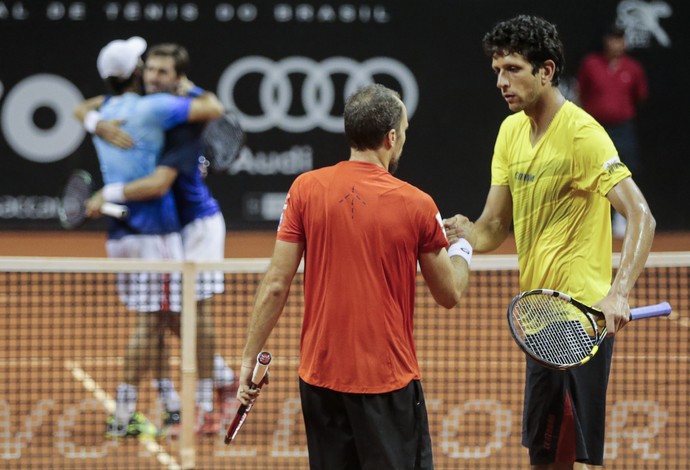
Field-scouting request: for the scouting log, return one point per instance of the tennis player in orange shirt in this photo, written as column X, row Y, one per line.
column 362, row 232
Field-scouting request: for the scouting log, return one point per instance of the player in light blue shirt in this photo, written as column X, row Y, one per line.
column 203, row 233
column 146, row 118
column 152, row 229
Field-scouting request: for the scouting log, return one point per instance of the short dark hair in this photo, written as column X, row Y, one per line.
column 370, row 113
column 178, row 53
column 534, row 38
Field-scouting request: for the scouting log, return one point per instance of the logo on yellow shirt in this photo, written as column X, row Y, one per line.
column 614, row 163
column 523, row 177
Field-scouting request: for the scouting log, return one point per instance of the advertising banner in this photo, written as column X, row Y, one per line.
column 287, row 67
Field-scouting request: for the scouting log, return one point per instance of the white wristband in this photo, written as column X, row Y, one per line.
column 461, row 248
column 91, row 121
column 114, row 192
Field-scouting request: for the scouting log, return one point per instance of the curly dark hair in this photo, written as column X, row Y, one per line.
column 534, row 38
column 369, row 114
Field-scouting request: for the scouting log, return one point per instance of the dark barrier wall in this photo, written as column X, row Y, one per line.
column 286, row 67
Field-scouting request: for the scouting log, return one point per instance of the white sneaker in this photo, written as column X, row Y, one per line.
column 222, row 374
column 225, row 401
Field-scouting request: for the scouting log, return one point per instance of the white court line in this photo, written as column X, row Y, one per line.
column 655, row 357
column 108, row 403
column 27, row 361
column 107, row 361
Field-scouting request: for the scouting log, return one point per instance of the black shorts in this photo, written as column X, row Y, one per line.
column 351, row 431
column 564, row 415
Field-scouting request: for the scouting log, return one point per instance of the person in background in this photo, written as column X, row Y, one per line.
column 203, row 234
column 611, row 85
column 152, row 229
column 362, row 232
column 555, row 174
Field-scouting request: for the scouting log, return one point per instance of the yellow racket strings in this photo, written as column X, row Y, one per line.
column 554, row 329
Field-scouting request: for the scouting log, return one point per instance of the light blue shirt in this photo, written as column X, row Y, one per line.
column 145, row 119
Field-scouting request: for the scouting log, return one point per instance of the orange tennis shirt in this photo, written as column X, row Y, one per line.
column 363, row 230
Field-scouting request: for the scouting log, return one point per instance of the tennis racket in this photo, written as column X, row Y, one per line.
column 78, row 190
column 259, row 378
column 222, row 140
column 560, row 332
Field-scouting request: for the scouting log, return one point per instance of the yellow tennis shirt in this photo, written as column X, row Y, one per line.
column 561, row 215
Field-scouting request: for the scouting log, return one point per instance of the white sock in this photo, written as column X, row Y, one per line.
column 222, row 374
column 204, row 395
column 168, row 395
column 125, row 403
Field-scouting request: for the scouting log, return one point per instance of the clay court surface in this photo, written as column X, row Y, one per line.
column 62, row 338
column 238, row 245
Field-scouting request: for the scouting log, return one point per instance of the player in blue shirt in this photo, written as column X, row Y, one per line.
column 203, row 233
column 152, row 229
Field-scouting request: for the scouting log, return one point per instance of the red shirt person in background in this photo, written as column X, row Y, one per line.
column 611, row 84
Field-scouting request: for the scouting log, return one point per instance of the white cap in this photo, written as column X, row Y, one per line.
column 119, row 58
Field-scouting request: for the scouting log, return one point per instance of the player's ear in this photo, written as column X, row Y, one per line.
column 391, row 137
column 546, row 71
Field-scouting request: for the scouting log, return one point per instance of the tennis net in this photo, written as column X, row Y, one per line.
column 64, row 333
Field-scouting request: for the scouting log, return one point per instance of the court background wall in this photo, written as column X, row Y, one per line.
column 430, row 51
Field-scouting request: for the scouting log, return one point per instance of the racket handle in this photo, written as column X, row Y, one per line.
column 117, row 211
column 259, row 378
column 658, row 310
column 263, row 359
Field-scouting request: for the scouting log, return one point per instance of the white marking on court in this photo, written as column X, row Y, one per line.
column 97, row 361
column 108, row 403
column 654, row 357
column 27, row 361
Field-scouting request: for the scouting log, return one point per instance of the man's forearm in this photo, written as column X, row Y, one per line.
column 635, row 250
column 269, row 305
column 205, row 108
column 489, row 234
column 83, row 108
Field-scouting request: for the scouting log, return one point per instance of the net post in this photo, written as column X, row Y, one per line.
column 188, row 364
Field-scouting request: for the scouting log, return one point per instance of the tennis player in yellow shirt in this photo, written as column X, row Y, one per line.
column 555, row 174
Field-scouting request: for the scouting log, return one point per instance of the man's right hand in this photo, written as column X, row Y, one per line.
column 184, row 86
column 93, row 205
column 111, row 132
column 458, row 227
column 245, row 394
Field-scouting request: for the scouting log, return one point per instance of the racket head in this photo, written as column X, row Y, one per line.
column 77, row 190
column 555, row 329
column 222, row 140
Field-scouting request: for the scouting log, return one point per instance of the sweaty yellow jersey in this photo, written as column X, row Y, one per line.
column 561, row 215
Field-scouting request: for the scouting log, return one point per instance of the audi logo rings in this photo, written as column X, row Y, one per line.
column 318, row 90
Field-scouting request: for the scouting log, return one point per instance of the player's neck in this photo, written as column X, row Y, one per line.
column 132, row 89
column 542, row 113
column 378, row 157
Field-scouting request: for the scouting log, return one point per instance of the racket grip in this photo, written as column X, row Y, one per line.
column 117, row 211
column 658, row 310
